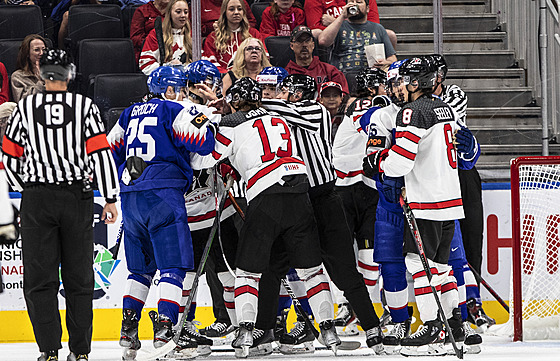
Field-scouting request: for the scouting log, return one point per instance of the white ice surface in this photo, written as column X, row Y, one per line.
column 493, row 349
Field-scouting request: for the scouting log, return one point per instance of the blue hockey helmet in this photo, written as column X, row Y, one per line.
column 203, row 71
column 166, row 76
column 393, row 79
column 272, row 75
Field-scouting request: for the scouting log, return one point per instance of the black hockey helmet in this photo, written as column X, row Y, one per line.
column 370, row 78
column 441, row 64
column 244, row 91
column 421, row 69
column 55, row 64
column 301, row 83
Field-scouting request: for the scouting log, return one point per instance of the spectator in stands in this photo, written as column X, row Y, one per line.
column 351, row 33
column 175, row 44
column 249, row 60
column 63, row 31
column 231, row 29
column 302, row 44
column 281, row 17
column 4, row 86
column 331, row 96
column 143, row 22
column 210, row 14
column 26, row 80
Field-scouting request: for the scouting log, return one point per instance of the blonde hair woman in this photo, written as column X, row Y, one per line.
column 175, row 45
column 249, row 60
column 231, row 29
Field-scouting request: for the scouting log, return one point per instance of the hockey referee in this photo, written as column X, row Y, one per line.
column 54, row 142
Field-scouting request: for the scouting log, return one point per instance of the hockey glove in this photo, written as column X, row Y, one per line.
column 466, row 143
column 225, row 168
column 392, row 188
column 372, row 162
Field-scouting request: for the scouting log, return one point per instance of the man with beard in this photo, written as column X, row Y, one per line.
column 302, row 45
column 350, row 33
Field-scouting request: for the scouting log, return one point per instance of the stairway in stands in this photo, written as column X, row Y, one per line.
column 502, row 112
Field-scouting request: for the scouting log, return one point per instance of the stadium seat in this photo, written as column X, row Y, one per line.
column 351, row 79
column 93, row 22
column 103, row 56
column 257, row 10
column 113, row 115
column 9, row 49
column 127, row 13
column 16, row 22
column 118, row 90
column 278, row 48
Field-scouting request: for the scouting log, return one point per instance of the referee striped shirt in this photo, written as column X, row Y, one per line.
column 311, row 127
column 58, row 137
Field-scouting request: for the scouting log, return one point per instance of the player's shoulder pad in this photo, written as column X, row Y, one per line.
column 233, row 120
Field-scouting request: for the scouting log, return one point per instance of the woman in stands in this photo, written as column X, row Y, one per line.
column 281, row 17
column 143, row 22
column 26, row 80
column 249, row 60
column 231, row 29
column 175, row 44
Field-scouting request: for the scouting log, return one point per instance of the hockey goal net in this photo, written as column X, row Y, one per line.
column 535, row 196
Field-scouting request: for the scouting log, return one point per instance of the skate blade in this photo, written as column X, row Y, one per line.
column 307, row 347
column 425, row 350
column 451, row 351
column 379, row 349
column 224, row 340
column 185, row 354
column 261, row 350
column 129, row 354
column 472, row 349
column 390, row 350
column 334, row 348
column 242, row 352
column 204, row 350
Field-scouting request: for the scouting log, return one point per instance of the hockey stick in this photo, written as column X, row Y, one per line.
column 345, row 345
column 115, row 249
column 411, row 220
column 489, row 288
column 165, row 349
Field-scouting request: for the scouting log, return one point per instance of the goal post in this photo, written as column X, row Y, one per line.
column 535, row 205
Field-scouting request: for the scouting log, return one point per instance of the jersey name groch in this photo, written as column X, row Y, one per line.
column 424, row 154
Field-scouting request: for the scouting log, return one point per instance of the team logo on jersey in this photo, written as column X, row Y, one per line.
column 199, row 120
column 376, row 142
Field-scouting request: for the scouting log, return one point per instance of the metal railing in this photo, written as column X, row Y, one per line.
column 521, row 19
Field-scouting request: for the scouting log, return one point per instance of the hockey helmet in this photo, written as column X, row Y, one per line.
column 203, row 71
column 166, row 76
column 441, row 64
column 55, row 64
column 422, row 70
column 301, row 84
column 370, row 78
column 272, row 75
column 393, row 79
column 244, row 91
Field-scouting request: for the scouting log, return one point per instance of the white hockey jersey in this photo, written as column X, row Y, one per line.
column 424, row 154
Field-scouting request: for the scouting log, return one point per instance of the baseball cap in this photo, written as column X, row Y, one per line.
column 299, row 31
column 330, row 84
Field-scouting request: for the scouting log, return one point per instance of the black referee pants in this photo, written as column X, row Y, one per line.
column 473, row 224
column 57, row 229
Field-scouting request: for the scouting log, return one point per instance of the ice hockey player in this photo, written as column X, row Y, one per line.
column 276, row 185
column 425, row 155
column 358, row 193
column 270, row 80
column 389, row 221
column 151, row 144
column 311, row 127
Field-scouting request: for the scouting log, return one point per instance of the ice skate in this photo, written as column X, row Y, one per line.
column 427, row 340
column 244, row 339
column 478, row 317
column 48, row 356
column 191, row 342
column 472, row 339
column 392, row 340
column 163, row 329
column 374, row 339
column 298, row 340
column 385, row 319
column 220, row 333
column 344, row 315
column 129, row 334
column 77, row 357
column 280, row 327
column 262, row 342
column 329, row 336
column 458, row 332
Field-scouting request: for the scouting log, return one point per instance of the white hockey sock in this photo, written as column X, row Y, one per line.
column 187, row 286
column 228, row 282
column 318, row 292
column 425, row 300
column 368, row 269
column 397, row 300
column 246, row 295
column 449, row 292
column 137, row 291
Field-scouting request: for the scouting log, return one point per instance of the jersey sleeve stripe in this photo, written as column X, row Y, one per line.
column 225, row 141
column 11, row 148
column 353, row 173
column 96, row 143
column 261, row 173
column 422, row 273
column 438, row 205
column 403, row 152
column 408, row 135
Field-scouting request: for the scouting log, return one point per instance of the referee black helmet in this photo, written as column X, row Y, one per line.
column 55, row 64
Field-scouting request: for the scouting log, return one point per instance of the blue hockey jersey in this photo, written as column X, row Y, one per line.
column 163, row 133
